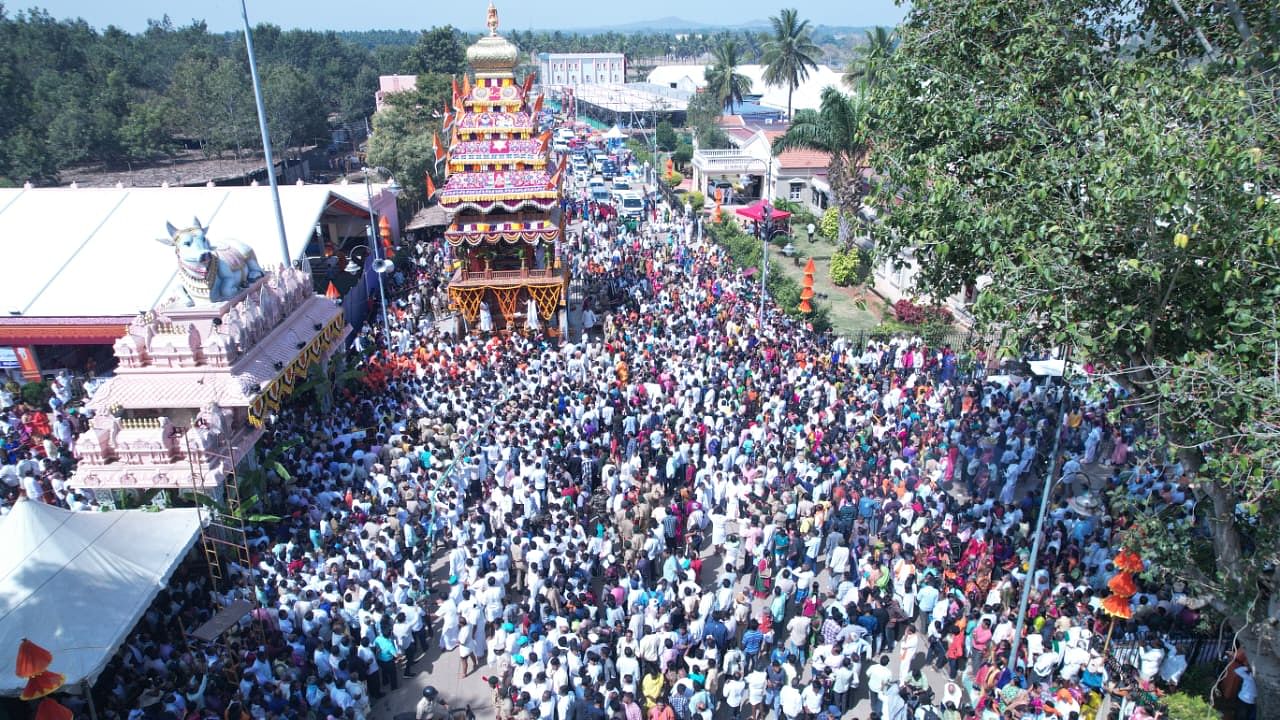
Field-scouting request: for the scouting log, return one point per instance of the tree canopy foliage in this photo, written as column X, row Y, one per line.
column 1111, row 168
column 724, row 82
column 839, row 128
column 789, row 53
column 71, row 94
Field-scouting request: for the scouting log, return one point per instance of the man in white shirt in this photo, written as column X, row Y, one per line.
column 880, row 683
column 791, row 700
column 756, row 681
column 1247, row 698
column 735, row 694
column 843, row 680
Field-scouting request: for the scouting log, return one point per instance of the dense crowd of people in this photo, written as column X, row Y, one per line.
column 36, row 436
column 683, row 516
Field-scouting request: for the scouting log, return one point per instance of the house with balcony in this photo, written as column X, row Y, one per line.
column 796, row 175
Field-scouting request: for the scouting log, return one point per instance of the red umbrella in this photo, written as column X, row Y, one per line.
column 1129, row 561
column 1118, row 606
column 1122, row 584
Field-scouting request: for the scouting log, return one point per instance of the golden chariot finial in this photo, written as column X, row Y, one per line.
column 492, row 22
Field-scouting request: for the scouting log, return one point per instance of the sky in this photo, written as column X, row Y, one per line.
column 132, row 15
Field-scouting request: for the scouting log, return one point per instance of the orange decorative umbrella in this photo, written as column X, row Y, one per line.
column 51, row 709
column 1122, row 584
column 42, row 684
column 384, row 231
column 1129, row 561
column 1117, row 606
column 331, row 292
column 809, row 268
column 32, row 659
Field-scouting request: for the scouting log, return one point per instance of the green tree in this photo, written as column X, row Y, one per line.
column 667, row 139
column 683, row 154
column 867, row 68
column 839, row 128
column 438, row 50
column 402, row 135
column 724, row 82
column 145, row 131
column 295, row 113
column 789, row 52
column 1118, row 177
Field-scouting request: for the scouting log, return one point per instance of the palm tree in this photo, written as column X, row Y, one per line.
column 723, row 79
column 790, row 53
column 838, row 128
column 867, row 68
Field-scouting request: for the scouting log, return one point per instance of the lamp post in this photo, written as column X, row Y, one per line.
column 378, row 267
column 766, row 213
column 1049, row 480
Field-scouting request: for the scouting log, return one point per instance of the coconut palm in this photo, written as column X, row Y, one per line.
column 790, row 53
column 867, row 68
column 838, row 128
column 724, row 81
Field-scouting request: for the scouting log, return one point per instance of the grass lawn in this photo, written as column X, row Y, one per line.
column 853, row 309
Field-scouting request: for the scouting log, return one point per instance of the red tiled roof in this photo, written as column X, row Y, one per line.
column 794, row 159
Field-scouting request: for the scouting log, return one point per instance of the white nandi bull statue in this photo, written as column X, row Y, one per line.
column 211, row 273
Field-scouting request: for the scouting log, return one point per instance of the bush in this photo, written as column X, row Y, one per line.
column 744, row 250
column 846, row 267
column 696, row 200
column 801, row 219
column 683, row 154
column 36, row 394
column 1185, row 706
column 829, row 227
column 909, row 313
column 786, row 205
column 673, row 180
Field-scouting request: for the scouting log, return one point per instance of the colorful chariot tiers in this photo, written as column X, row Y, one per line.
column 504, row 190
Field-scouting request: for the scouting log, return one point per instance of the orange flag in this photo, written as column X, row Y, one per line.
column 439, row 149
column 537, row 105
column 543, row 139
column 431, row 187
column 466, row 86
column 454, row 81
column 528, row 85
column 555, row 179
column 447, row 123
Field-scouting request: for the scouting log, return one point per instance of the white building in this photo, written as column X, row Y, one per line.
column 581, row 68
column 807, row 95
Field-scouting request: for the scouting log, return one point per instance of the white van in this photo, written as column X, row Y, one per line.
column 632, row 204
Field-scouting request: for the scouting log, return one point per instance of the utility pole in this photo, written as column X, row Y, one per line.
column 1044, row 509
column 266, row 136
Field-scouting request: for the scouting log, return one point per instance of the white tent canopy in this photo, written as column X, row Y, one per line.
column 93, row 251
column 76, row 583
column 615, row 133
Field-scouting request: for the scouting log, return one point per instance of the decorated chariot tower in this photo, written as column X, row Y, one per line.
column 505, row 196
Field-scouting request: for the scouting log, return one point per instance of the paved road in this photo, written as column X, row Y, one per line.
column 441, row 670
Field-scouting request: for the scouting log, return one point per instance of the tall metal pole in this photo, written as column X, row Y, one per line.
column 266, row 137
column 373, row 249
column 1044, row 509
column 765, row 214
